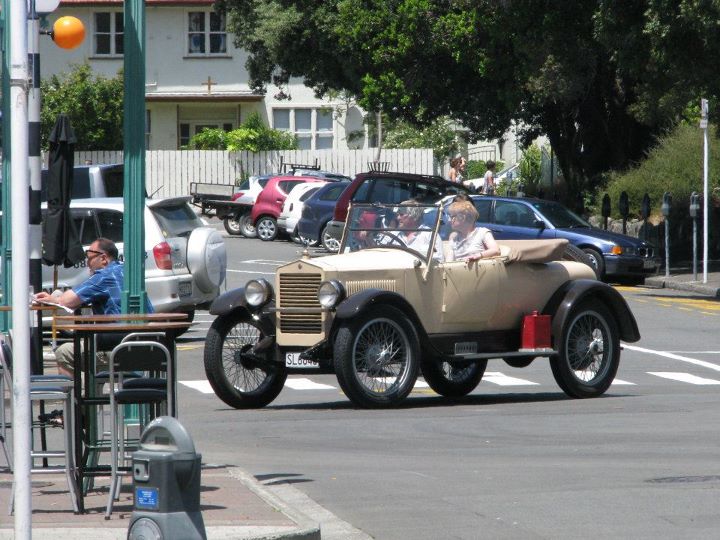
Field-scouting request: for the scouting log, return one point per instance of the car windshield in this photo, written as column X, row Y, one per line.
column 409, row 227
column 559, row 216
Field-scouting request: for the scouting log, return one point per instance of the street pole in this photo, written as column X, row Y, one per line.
column 134, row 295
column 5, row 221
column 22, row 411
column 704, row 126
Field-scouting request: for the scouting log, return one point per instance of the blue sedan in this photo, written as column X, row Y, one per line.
column 317, row 212
column 612, row 254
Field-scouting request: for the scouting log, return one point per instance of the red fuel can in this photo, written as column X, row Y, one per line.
column 536, row 331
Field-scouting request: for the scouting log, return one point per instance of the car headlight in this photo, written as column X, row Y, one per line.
column 258, row 292
column 330, row 293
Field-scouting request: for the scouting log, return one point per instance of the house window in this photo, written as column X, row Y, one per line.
column 314, row 128
column 108, row 37
column 206, row 33
column 190, row 129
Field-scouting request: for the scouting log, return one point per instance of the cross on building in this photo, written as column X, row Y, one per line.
column 209, row 83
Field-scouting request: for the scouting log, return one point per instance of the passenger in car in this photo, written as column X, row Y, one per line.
column 468, row 242
column 102, row 290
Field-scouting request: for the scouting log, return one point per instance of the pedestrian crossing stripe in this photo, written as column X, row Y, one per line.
column 620, row 382
column 501, row 379
column 306, row 384
column 683, row 377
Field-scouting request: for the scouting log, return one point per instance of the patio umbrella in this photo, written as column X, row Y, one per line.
column 60, row 241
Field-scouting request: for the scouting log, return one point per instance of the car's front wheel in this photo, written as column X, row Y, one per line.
column 451, row 379
column 596, row 261
column 377, row 357
column 267, row 228
column 589, row 351
column 241, row 379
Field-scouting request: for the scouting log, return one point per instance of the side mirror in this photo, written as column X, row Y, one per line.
column 539, row 224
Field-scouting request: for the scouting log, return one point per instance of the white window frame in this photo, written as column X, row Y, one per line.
column 206, row 33
column 113, row 34
column 314, row 133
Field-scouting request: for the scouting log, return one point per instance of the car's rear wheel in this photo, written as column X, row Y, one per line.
column 232, row 224
column 267, row 229
column 377, row 357
column 589, row 351
column 328, row 241
column 238, row 377
column 245, row 224
column 596, row 261
column 451, row 379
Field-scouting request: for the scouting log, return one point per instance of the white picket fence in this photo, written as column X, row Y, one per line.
column 168, row 173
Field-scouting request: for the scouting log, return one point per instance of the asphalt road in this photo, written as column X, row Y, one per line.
column 515, row 459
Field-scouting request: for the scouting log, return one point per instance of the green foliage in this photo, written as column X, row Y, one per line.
column 475, row 168
column 252, row 136
column 675, row 164
column 530, row 167
column 439, row 135
column 94, row 104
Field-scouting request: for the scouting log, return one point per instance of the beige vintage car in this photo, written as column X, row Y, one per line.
column 385, row 310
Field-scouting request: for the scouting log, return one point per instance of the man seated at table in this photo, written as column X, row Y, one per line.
column 102, row 290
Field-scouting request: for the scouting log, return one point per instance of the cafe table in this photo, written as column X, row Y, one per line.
column 85, row 329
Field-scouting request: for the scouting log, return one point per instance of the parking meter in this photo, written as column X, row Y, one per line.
column 694, row 205
column 666, row 204
column 645, row 207
column 166, row 484
column 665, row 209
column 624, row 208
column 605, row 210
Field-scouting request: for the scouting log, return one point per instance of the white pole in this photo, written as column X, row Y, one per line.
column 705, row 200
column 19, row 177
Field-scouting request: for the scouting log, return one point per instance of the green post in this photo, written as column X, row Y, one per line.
column 5, row 239
column 134, row 295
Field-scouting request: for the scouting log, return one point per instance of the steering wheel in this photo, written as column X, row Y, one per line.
column 394, row 239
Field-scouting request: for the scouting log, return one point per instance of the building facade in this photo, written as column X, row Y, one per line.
column 196, row 77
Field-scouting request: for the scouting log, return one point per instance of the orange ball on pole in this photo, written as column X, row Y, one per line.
column 68, row 32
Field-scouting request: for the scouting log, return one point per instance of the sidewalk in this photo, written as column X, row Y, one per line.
column 682, row 280
column 234, row 506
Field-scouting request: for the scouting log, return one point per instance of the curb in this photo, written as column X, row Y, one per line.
column 706, row 289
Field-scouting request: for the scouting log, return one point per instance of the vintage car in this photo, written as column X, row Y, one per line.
column 379, row 313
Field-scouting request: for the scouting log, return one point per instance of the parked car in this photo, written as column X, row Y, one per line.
column 300, row 171
column 391, row 188
column 237, row 220
column 316, row 214
column 293, row 206
column 91, row 181
column 185, row 261
column 379, row 313
column 610, row 253
column 268, row 205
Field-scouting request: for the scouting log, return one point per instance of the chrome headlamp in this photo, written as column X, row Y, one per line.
column 330, row 293
column 258, row 292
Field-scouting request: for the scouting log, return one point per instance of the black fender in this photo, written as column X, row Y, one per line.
column 573, row 292
column 234, row 301
column 360, row 302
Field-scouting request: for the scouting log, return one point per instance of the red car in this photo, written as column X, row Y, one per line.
column 268, row 206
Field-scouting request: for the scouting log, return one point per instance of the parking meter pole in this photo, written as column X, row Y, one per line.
column 606, row 210
column 694, row 207
column 624, row 207
column 705, row 199
column 666, row 204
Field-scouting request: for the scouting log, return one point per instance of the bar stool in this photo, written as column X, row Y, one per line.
column 133, row 356
column 56, row 388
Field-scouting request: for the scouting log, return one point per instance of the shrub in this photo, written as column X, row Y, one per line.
column 252, row 136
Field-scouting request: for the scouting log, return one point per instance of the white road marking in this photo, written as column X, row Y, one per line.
column 501, row 379
column 683, row 377
column 620, row 382
column 264, row 261
column 202, row 386
column 306, row 384
column 687, row 359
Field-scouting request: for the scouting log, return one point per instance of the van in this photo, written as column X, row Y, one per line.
column 91, row 181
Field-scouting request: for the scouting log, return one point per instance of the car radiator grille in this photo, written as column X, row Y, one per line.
column 645, row 251
column 299, row 291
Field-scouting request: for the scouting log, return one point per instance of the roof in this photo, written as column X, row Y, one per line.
column 176, row 97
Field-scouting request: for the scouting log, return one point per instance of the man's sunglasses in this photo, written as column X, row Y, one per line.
column 89, row 251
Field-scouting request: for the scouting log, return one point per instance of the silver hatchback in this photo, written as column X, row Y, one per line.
column 185, row 261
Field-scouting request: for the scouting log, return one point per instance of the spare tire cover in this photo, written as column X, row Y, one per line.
column 207, row 258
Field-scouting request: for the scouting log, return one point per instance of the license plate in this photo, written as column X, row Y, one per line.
column 292, row 359
column 649, row 263
column 185, row 288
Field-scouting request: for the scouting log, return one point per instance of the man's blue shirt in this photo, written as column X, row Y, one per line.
column 103, row 290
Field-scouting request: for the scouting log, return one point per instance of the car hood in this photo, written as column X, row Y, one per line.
column 369, row 259
column 607, row 236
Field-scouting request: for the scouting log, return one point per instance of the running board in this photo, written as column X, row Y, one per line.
column 524, row 353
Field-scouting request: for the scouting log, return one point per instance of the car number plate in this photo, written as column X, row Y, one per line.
column 292, row 359
column 649, row 263
column 185, row 288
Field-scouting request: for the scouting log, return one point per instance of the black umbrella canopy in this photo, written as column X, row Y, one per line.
column 61, row 244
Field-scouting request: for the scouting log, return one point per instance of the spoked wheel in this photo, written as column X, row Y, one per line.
column 247, row 229
column 451, row 379
column 239, row 378
column 589, row 351
column 232, row 224
column 377, row 357
column 267, row 228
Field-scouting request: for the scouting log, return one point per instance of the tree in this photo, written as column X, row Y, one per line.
column 439, row 135
column 94, row 104
column 601, row 78
column 252, row 136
